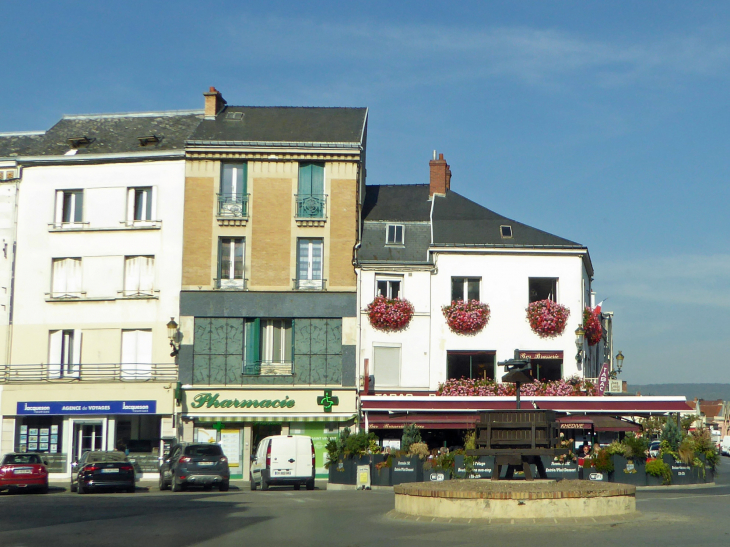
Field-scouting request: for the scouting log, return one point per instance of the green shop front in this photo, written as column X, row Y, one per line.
column 239, row 418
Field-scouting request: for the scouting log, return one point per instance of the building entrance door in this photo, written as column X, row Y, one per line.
column 87, row 436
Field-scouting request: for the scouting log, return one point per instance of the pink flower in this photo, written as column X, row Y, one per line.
column 468, row 317
column 547, row 318
column 390, row 314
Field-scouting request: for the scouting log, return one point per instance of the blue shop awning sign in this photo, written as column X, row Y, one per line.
column 56, row 408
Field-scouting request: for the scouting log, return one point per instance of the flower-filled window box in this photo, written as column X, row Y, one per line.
column 592, row 326
column 466, row 317
column 390, row 314
column 547, row 318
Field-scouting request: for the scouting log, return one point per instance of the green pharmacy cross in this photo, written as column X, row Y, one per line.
column 328, row 401
column 218, row 426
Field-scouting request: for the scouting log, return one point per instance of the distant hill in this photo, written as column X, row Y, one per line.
column 691, row 391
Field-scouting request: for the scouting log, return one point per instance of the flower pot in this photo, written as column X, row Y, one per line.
column 406, row 470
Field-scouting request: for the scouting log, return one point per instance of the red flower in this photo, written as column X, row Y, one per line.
column 592, row 326
column 547, row 318
column 467, row 317
column 390, row 314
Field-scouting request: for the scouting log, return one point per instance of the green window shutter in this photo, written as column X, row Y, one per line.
column 252, row 359
column 305, row 179
column 317, row 179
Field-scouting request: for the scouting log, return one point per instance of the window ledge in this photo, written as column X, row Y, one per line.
column 152, row 225
column 311, row 222
column 232, row 221
column 50, row 298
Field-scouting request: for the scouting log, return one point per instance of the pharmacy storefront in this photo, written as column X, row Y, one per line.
column 63, row 422
column 239, row 418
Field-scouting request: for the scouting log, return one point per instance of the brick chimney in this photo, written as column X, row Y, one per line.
column 440, row 175
column 214, row 103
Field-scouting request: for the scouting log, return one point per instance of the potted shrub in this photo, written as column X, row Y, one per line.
column 628, row 457
column 390, row 314
column 466, row 317
column 380, row 472
column 657, row 472
column 547, row 318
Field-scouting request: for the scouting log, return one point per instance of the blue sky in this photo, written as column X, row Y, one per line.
column 603, row 122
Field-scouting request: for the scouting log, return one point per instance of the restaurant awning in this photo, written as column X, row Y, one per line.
column 422, row 420
column 598, row 423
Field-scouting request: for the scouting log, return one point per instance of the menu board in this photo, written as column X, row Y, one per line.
column 231, row 445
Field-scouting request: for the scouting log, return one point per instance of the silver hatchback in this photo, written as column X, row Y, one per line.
column 195, row 464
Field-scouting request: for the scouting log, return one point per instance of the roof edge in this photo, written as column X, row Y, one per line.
column 152, row 114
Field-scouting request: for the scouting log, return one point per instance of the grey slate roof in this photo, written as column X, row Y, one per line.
column 398, row 202
column 17, row 144
column 278, row 124
column 416, row 239
column 459, row 221
column 118, row 133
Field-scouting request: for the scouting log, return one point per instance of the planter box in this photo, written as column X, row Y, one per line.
column 683, row 473
column 590, row 474
column 482, row 467
column 406, row 470
column 651, row 480
column 436, row 474
column 343, row 472
column 380, row 477
column 627, row 471
column 559, row 471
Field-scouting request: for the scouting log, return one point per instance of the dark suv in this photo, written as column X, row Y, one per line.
column 197, row 464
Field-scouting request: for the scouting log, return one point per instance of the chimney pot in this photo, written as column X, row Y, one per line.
column 214, row 103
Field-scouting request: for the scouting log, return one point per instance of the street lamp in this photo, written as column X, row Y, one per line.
column 172, row 334
column 579, row 335
column 619, row 362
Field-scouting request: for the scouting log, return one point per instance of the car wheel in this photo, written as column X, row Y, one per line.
column 252, row 483
column 80, row 489
column 297, row 486
column 163, row 484
column 310, row 484
column 223, row 487
column 264, row 485
column 176, row 486
column 73, row 487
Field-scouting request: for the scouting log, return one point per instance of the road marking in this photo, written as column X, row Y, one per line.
column 687, row 496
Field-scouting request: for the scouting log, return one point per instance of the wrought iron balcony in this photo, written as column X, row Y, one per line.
column 311, row 206
column 233, row 205
column 267, row 368
column 310, row 284
column 89, row 372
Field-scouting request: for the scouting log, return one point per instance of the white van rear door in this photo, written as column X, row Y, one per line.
column 304, row 457
column 283, row 457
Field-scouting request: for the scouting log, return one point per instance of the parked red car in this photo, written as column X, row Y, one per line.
column 24, row 471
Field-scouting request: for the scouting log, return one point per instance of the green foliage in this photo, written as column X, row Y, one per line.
column 411, row 434
column 444, row 460
column 603, row 462
column 618, row 448
column 657, row 468
column 470, row 440
column 636, row 447
column 347, row 444
column 418, row 449
column 672, row 435
column 358, row 444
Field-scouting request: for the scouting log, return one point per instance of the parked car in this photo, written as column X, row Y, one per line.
column 195, row 464
column 283, row 460
column 24, row 472
column 99, row 469
column 654, row 449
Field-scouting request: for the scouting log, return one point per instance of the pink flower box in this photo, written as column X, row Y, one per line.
column 390, row 314
column 468, row 317
column 547, row 318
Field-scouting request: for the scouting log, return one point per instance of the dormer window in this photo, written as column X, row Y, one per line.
column 505, row 232
column 234, row 116
column 394, row 234
column 148, row 140
column 79, row 142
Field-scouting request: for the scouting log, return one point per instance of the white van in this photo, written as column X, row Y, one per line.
column 283, row 459
column 725, row 446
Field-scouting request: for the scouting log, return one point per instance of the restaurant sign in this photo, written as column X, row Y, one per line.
column 549, row 355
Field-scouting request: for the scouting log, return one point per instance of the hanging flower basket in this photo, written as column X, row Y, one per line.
column 468, row 317
column 547, row 318
column 390, row 314
column 592, row 326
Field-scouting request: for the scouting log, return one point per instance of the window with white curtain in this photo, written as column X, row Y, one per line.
column 64, row 353
column 276, row 340
column 66, row 282
column 141, row 204
column 139, row 275
column 230, row 262
column 136, row 354
column 309, row 264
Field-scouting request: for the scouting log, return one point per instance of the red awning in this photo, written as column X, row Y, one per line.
column 598, row 423
column 424, row 420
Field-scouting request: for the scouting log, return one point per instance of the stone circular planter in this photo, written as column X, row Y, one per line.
column 479, row 499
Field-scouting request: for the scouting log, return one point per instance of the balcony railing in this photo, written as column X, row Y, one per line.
column 231, row 284
column 233, row 205
column 268, row 368
column 90, row 372
column 310, row 284
column 311, row 206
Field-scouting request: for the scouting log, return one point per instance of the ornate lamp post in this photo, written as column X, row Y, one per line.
column 619, row 362
column 579, row 340
column 173, row 335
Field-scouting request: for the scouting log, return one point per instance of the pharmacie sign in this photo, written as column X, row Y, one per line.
column 61, row 408
column 214, row 400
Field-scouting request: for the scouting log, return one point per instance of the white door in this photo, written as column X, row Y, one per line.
column 303, row 464
column 283, row 457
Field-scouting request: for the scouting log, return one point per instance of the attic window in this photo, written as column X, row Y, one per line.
column 234, row 116
column 150, row 139
column 394, row 234
column 79, row 142
column 505, row 231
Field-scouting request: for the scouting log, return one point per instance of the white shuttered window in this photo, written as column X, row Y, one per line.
column 387, row 366
column 66, row 281
column 139, row 275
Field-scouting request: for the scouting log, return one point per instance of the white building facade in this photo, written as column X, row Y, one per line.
column 97, row 278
